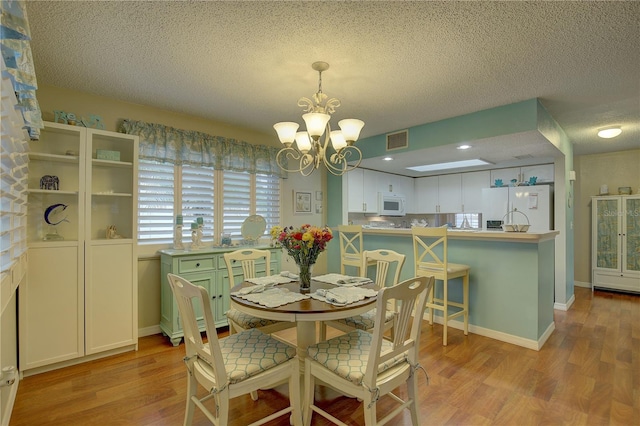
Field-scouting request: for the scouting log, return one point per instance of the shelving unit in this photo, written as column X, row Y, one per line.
column 80, row 296
column 616, row 242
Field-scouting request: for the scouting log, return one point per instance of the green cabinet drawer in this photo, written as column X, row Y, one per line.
column 197, row 264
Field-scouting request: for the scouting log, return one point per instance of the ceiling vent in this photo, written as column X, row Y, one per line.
column 398, row 140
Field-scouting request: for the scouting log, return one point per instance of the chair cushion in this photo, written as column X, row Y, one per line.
column 250, row 352
column 367, row 320
column 247, row 321
column 347, row 355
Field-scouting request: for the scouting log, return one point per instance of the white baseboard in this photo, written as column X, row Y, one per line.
column 498, row 335
column 149, row 331
column 565, row 306
column 581, row 284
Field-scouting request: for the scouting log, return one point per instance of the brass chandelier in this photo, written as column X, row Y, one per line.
column 312, row 146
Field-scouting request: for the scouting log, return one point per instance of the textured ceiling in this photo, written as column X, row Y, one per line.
column 393, row 64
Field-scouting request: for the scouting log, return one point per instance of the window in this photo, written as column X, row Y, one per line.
column 224, row 199
column 472, row 218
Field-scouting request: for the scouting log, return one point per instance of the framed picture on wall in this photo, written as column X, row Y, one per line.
column 301, row 202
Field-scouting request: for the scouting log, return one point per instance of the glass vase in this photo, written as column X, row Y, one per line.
column 305, row 278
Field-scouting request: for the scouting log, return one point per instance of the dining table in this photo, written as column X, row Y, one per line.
column 307, row 311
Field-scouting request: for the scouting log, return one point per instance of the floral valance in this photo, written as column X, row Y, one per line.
column 16, row 54
column 177, row 146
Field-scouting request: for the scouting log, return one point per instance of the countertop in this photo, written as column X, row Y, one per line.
column 463, row 234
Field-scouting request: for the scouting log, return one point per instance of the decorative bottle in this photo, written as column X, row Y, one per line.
column 177, row 234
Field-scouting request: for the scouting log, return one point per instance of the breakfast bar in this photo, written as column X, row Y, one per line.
column 511, row 291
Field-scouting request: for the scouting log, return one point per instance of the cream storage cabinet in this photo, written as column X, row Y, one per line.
column 616, row 242
column 207, row 269
column 79, row 300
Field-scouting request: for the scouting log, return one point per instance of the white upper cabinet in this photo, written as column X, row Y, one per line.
column 360, row 191
column 426, row 194
column 472, row 185
column 505, row 175
column 543, row 173
column 450, row 193
column 396, row 184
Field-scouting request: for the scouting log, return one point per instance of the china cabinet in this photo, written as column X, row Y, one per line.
column 80, row 296
column 206, row 268
column 616, row 242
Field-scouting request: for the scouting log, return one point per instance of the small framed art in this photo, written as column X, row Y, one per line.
column 301, row 202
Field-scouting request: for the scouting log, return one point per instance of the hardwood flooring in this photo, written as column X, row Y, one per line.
column 588, row 373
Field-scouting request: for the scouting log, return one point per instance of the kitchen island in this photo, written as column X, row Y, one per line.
column 511, row 287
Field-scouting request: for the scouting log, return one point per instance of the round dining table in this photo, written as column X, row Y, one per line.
column 305, row 313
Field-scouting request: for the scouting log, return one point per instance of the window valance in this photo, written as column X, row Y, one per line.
column 16, row 54
column 176, row 146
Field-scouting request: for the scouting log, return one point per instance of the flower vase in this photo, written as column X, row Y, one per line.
column 305, row 278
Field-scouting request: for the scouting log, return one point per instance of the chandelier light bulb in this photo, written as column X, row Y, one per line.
column 351, row 129
column 337, row 140
column 610, row 132
column 286, row 131
column 316, row 123
column 303, row 142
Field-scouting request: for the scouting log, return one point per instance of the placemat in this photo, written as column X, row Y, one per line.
column 342, row 296
column 271, row 280
column 342, row 280
column 272, row 297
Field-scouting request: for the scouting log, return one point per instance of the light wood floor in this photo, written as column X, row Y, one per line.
column 588, row 373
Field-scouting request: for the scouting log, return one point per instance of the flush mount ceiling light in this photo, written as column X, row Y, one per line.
column 449, row 165
column 388, row 158
column 609, row 132
column 464, row 147
column 311, row 149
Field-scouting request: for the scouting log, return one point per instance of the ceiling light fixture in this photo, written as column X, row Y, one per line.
column 449, row 165
column 388, row 158
column 310, row 151
column 464, row 147
column 609, row 132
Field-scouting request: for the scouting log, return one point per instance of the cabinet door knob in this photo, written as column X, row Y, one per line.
column 197, row 265
column 213, row 297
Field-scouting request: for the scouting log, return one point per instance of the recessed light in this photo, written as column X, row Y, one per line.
column 388, row 158
column 609, row 132
column 450, row 165
column 464, row 147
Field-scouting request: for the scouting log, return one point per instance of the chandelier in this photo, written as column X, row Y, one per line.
column 311, row 149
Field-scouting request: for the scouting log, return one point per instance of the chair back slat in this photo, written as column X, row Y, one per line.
column 384, row 259
column 411, row 296
column 192, row 298
column 247, row 259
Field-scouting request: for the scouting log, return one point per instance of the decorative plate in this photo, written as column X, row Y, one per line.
column 253, row 227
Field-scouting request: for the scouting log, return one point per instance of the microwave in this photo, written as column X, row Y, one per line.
column 391, row 204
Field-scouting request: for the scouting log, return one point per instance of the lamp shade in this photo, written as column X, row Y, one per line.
column 316, row 123
column 337, row 140
column 303, row 141
column 351, row 128
column 286, row 131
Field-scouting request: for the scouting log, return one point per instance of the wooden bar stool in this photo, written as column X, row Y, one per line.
column 430, row 254
column 351, row 247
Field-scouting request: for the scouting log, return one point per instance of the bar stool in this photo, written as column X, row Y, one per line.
column 351, row 247
column 430, row 254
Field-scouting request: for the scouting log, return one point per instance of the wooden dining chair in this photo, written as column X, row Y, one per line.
column 430, row 251
column 229, row 367
column 239, row 321
column 384, row 260
column 368, row 366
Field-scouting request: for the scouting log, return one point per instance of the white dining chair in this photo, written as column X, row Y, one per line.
column 239, row 321
column 368, row 366
column 384, row 261
column 351, row 247
column 229, row 367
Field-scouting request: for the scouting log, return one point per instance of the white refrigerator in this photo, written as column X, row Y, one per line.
column 536, row 202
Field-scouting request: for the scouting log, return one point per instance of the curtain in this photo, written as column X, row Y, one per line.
column 176, row 146
column 16, row 54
